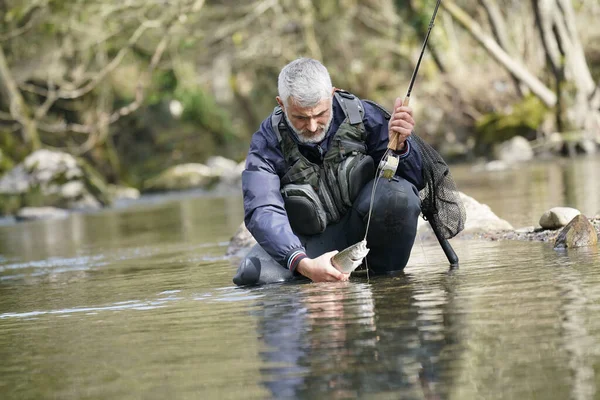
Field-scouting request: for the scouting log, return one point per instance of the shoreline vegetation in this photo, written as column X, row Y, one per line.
column 153, row 98
column 149, row 86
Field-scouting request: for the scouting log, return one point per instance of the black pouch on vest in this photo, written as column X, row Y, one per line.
column 304, row 209
column 353, row 174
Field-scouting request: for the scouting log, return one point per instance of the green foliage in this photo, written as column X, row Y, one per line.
column 524, row 119
column 5, row 162
column 200, row 109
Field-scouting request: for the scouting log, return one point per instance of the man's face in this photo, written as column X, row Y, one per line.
column 309, row 123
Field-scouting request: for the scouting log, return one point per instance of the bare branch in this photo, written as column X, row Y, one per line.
column 62, row 127
column 156, row 57
column 50, row 100
column 139, row 95
column 511, row 65
column 17, row 32
column 499, row 30
column 73, row 94
column 228, row 30
column 31, row 17
column 4, row 116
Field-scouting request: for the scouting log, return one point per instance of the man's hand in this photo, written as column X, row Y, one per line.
column 320, row 269
column 401, row 124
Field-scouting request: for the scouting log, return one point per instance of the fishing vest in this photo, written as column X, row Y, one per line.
column 316, row 195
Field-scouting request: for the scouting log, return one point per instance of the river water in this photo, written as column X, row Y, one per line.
column 136, row 302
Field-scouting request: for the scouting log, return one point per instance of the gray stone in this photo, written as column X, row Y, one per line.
column 123, row 193
column 38, row 213
column 183, row 177
column 227, row 170
column 480, row 218
column 557, row 217
column 588, row 146
column 54, row 179
column 72, row 190
column 85, row 202
column 578, row 233
column 220, row 164
column 517, row 149
column 241, row 242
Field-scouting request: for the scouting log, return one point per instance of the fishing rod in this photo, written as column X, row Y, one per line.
column 393, row 144
column 389, row 162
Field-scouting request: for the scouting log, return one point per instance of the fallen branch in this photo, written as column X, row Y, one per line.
column 538, row 88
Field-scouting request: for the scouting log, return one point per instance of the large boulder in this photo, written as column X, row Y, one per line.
column 578, row 233
column 52, row 179
column 219, row 174
column 123, row 193
column 183, row 177
column 557, row 217
column 514, row 150
column 228, row 171
column 480, row 219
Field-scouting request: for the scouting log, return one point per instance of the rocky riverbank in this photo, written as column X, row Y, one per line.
column 531, row 234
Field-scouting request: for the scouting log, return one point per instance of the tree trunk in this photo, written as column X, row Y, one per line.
column 542, row 11
column 11, row 97
column 538, row 88
column 499, row 30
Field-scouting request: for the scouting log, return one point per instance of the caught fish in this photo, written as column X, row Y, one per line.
column 351, row 257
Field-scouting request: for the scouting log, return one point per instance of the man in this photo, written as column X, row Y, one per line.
column 309, row 176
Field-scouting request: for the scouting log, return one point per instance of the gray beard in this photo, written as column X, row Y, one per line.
column 312, row 139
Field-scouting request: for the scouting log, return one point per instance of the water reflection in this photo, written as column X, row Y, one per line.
column 93, row 239
column 138, row 303
column 578, row 340
column 388, row 336
column 524, row 192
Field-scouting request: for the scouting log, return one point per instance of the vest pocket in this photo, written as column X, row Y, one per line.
column 353, row 174
column 304, row 209
column 360, row 175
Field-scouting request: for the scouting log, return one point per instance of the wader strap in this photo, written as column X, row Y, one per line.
column 351, row 105
column 276, row 118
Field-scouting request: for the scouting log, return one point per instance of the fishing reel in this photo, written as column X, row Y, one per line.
column 388, row 165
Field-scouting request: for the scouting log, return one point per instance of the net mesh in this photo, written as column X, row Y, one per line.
column 440, row 200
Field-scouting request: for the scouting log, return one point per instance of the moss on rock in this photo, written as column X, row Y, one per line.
column 524, row 119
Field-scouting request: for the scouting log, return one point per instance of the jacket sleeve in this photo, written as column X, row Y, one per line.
column 264, row 211
column 376, row 125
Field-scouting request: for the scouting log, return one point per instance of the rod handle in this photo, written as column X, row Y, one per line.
column 393, row 143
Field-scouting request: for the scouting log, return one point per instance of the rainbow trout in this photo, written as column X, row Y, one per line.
column 351, row 257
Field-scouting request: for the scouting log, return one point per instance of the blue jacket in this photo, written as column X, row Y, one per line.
column 264, row 210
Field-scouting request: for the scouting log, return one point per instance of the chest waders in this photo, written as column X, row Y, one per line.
column 316, row 195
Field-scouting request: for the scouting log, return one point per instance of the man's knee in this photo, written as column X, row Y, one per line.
column 396, row 205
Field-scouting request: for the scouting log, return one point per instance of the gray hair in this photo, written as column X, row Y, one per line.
column 305, row 80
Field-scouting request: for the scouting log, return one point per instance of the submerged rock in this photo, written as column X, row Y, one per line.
column 578, row 233
column 557, row 217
